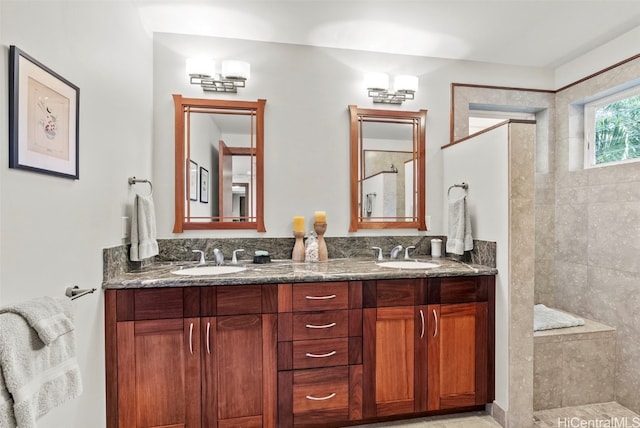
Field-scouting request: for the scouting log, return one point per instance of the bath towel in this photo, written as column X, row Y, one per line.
column 545, row 318
column 143, row 229
column 459, row 238
column 38, row 377
column 46, row 315
column 6, row 406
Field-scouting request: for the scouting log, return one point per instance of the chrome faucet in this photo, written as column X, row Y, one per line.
column 406, row 251
column 395, row 251
column 379, row 250
column 234, row 258
column 202, row 260
column 219, row 256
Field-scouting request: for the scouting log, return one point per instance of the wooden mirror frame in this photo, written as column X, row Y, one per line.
column 182, row 105
column 355, row 114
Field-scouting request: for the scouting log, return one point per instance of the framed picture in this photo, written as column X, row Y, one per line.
column 193, row 181
column 43, row 118
column 204, row 185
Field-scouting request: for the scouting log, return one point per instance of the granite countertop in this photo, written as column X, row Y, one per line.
column 286, row 271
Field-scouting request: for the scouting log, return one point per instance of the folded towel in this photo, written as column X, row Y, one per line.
column 545, row 318
column 143, row 229
column 38, row 377
column 46, row 315
column 459, row 239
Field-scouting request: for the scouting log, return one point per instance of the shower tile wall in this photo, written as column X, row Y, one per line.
column 597, row 233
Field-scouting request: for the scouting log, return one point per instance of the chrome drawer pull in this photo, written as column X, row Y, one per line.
column 208, row 335
column 435, row 317
column 422, row 325
column 321, row 326
column 191, row 338
column 311, row 397
column 328, row 354
column 331, row 296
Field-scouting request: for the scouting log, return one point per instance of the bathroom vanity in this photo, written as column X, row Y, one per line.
column 291, row 344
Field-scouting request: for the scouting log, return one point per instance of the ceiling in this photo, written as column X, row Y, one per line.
column 535, row 33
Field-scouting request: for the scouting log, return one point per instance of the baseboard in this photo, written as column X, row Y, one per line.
column 498, row 414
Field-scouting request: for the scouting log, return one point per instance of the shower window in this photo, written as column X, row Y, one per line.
column 612, row 129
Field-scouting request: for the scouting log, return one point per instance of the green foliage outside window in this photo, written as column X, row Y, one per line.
column 618, row 131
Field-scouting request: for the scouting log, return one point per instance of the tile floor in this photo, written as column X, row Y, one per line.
column 592, row 415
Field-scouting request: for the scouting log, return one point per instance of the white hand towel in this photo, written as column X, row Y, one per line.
column 459, row 239
column 38, row 377
column 143, row 229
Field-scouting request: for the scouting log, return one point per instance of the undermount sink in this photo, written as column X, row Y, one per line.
column 408, row 264
column 209, row 270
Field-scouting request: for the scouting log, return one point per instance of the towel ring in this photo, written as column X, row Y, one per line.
column 462, row 185
column 133, row 180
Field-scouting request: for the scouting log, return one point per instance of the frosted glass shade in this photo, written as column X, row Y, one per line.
column 376, row 81
column 236, row 70
column 201, row 67
column 405, row 83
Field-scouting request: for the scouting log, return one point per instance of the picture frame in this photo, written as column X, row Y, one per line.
column 193, row 181
column 204, row 185
column 44, row 111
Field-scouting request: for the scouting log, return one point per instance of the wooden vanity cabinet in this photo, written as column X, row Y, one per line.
column 319, row 353
column 428, row 345
column 305, row 354
column 395, row 347
column 191, row 357
column 460, row 337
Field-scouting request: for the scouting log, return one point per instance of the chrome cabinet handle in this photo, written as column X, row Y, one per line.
column 321, row 326
column 331, row 296
column 191, row 338
column 208, row 345
column 311, row 397
column 328, row 354
column 422, row 325
column 435, row 317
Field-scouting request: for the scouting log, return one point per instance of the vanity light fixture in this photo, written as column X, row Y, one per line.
column 404, row 88
column 233, row 74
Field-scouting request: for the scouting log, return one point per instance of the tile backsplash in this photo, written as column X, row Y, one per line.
column 116, row 259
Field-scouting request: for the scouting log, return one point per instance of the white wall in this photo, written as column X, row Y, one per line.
column 53, row 229
column 482, row 162
column 307, row 122
column 618, row 49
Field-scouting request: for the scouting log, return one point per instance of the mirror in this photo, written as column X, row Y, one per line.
column 387, row 169
column 219, row 163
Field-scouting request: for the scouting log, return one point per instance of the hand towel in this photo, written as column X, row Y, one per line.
column 38, row 377
column 545, row 318
column 459, row 239
column 143, row 229
column 46, row 315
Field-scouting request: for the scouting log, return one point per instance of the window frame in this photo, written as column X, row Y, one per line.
column 590, row 126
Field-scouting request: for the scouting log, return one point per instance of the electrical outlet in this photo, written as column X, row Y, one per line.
column 428, row 222
column 125, row 228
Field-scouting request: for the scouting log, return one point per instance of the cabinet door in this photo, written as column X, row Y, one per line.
column 394, row 345
column 239, row 373
column 457, row 355
column 159, row 373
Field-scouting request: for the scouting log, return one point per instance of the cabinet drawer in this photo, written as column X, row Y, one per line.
column 320, row 296
column 320, row 389
column 320, row 325
column 320, row 353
